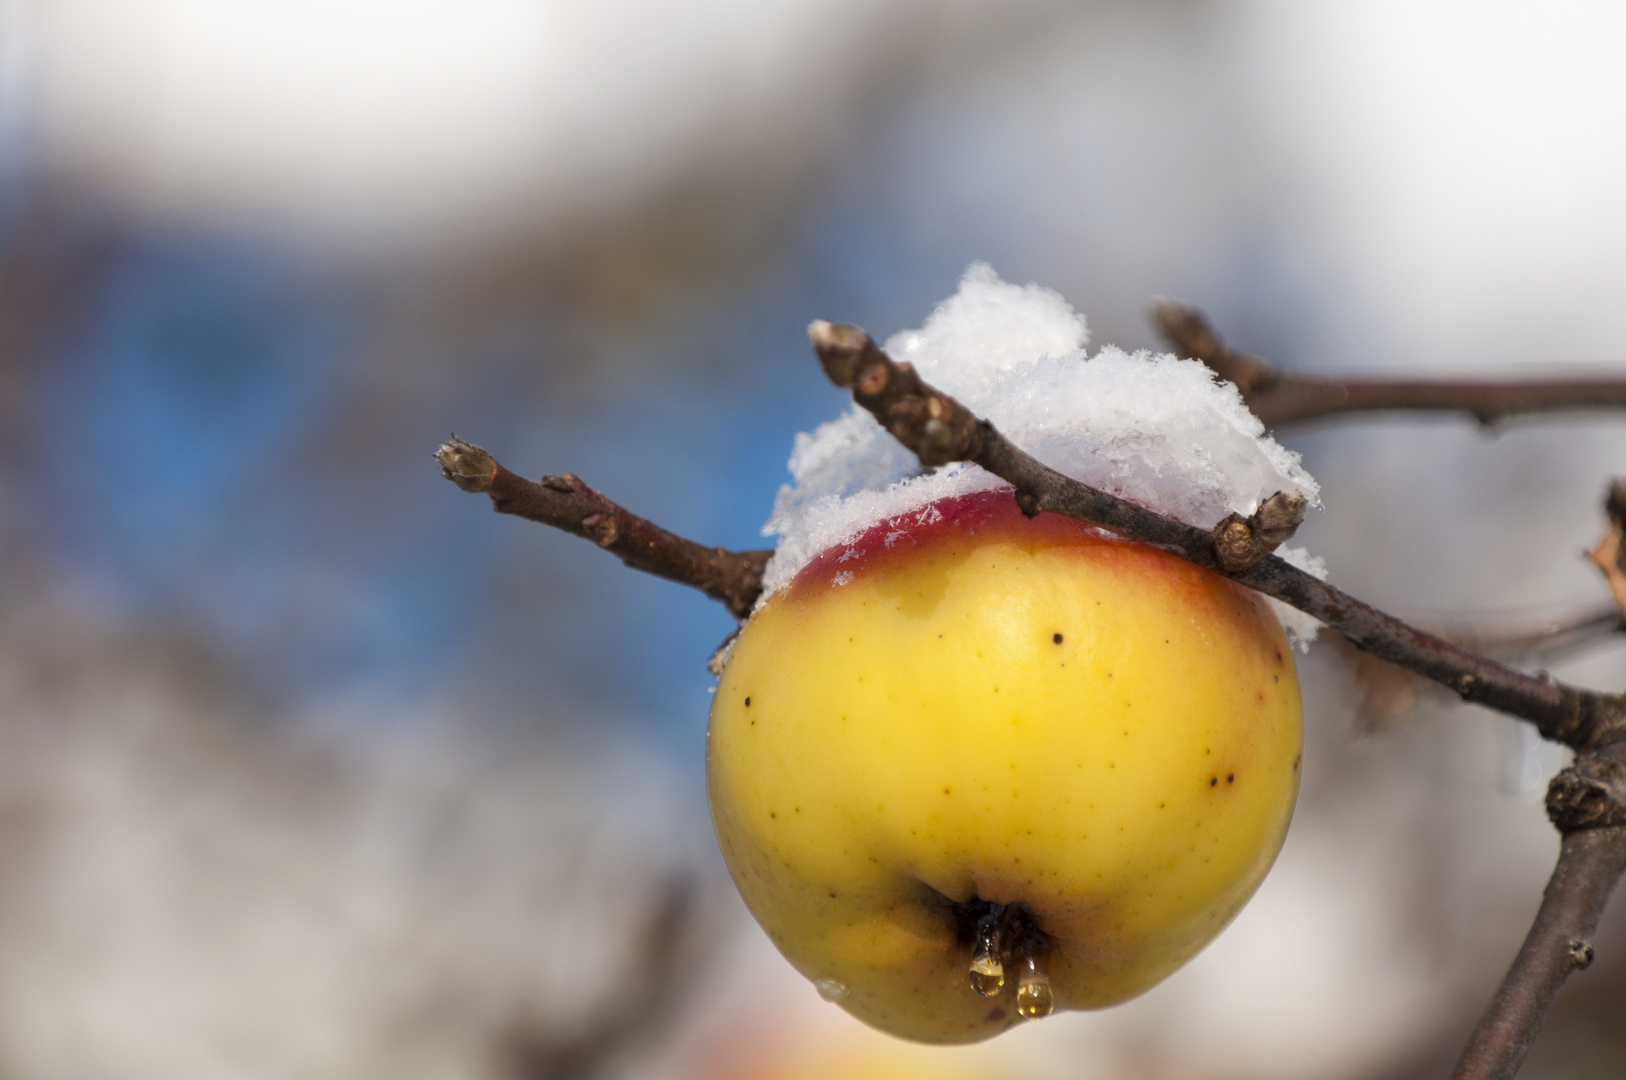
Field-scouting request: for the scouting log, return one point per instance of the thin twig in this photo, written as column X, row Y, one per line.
column 940, row 430
column 1389, row 692
column 1280, row 398
column 1590, row 862
column 733, row 578
column 1586, row 803
column 1544, row 640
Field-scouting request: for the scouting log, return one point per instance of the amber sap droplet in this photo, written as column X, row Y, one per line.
column 987, row 973
column 1034, row 998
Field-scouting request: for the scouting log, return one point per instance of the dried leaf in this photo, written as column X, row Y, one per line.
column 1607, row 557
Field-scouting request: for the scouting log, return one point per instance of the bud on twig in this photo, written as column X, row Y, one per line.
column 932, row 424
column 1590, row 794
column 839, row 347
column 1240, row 542
column 466, row 465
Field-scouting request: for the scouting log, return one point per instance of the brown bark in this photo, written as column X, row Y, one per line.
column 734, row 578
column 1585, row 802
column 1282, row 398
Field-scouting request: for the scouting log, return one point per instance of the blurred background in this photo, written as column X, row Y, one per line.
column 312, row 766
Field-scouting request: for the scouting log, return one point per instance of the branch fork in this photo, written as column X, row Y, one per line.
column 1586, row 802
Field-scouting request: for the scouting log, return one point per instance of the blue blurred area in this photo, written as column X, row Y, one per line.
column 192, row 369
column 206, row 476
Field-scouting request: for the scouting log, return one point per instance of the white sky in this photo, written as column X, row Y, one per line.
column 414, row 114
column 1467, row 155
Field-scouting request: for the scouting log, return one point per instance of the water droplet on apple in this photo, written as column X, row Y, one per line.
column 830, row 989
column 987, row 975
column 1034, row 998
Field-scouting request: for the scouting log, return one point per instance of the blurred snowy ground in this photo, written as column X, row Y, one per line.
column 312, row 766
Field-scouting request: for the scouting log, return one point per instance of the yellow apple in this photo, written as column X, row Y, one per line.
column 973, row 766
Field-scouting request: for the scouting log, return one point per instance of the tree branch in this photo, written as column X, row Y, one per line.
column 940, row 430
column 1280, row 398
column 1544, row 640
column 1389, row 692
column 1586, row 802
column 733, row 578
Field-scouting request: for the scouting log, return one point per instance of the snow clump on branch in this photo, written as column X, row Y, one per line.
column 1153, row 429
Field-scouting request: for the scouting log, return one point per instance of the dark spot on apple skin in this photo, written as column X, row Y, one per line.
column 1278, row 656
column 1056, row 638
column 1231, row 778
column 1213, row 780
column 994, row 1016
column 747, row 703
column 772, row 814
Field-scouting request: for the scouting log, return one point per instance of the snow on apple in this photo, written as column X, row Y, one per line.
column 1154, row 429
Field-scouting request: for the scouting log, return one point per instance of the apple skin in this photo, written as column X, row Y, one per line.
column 977, row 706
